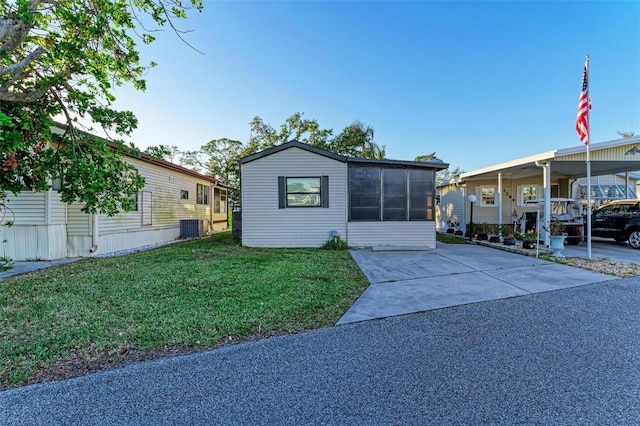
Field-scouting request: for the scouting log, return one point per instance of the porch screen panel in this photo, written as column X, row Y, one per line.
column 421, row 196
column 394, row 194
column 364, row 193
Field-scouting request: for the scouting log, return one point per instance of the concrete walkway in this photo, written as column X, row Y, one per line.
column 404, row 282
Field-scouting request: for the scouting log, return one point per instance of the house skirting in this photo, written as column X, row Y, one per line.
column 33, row 242
column 406, row 234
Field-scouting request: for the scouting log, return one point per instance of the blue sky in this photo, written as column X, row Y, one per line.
column 476, row 82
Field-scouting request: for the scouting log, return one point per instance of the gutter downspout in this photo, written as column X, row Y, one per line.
column 547, row 196
column 94, row 233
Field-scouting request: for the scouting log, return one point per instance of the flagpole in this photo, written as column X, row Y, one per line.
column 588, row 169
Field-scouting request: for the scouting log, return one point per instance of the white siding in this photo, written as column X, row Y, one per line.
column 419, row 234
column 156, row 220
column 78, row 222
column 33, row 242
column 26, row 209
column 57, row 209
column 38, row 231
column 266, row 225
column 163, row 187
column 451, row 206
column 113, row 243
column 46, row 228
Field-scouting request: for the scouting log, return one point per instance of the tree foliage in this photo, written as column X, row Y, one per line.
column 62, row 59
column 264, row 136
column 356, row 140
column 441, row 175
column 219, row 157
column 626, row 135
column 163, row 152
column 448, row 174
column 427, row 157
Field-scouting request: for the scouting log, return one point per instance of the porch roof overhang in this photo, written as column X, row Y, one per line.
column 616, row 156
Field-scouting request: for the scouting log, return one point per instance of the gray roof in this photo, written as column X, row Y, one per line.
column 438, row 164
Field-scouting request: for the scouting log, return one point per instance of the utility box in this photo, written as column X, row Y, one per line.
column 236, row 224
column 191, row 228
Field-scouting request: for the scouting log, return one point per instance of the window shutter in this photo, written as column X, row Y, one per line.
column 282, row 193
column 324, row 192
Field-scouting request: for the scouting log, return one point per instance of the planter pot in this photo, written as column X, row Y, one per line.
column 528, row 244
column 494, row 239
column 450, row 231
column 483, row 237
column 509, row 241
column 459, row 233
column 557, row 245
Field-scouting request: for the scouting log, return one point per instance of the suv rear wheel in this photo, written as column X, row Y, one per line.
column 634, row 239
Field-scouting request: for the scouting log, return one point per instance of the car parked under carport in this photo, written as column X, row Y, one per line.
column 619, row 220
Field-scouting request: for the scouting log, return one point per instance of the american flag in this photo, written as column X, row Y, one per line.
column 584, row 105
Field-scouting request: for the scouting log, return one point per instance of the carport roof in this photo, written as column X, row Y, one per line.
column 609, row 157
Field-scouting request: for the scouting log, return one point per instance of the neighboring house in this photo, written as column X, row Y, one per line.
column 450, row 204
column 502, row 189
column 296, row 195
column 44, row 228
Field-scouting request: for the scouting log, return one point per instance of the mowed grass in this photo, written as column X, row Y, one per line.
column 450, row 238
column 192, row 295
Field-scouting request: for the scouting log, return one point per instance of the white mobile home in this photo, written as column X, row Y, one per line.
column 501, row 190
column 44, row 228
column 296, row 195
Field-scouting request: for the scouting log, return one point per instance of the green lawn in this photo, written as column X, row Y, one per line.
column 450, row 238
column 187, row 296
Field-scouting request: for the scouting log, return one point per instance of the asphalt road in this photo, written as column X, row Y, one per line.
column 564, row 357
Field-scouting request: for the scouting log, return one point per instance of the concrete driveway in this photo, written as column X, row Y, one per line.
column 404, row 282
column 604, row 248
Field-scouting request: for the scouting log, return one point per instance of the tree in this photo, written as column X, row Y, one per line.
column 448, row 174
column 264, row 136
column 442, row 175
column 163, row 152
column 626, row 135
column 427, row 157
column 62, row 58
column 356, row 140
column 219, row 158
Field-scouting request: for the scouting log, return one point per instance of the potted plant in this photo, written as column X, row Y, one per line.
column 556, row 237
column 481, row 231
column 509, row 240
column 494, row 233
column 530, row 239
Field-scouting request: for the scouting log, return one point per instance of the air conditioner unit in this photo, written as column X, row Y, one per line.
column 191, row 228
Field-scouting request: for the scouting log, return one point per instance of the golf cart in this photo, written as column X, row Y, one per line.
column 565, row 210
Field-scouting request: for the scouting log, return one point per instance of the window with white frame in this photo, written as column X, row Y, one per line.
column 202, row 194
column 487, row 195
column 219, row 201
column 527, row 193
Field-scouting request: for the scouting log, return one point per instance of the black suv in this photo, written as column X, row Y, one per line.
column 619, row 220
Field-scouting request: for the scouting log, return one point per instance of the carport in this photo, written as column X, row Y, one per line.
column 557, row 171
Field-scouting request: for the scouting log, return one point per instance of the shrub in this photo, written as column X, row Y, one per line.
column 335, row 243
